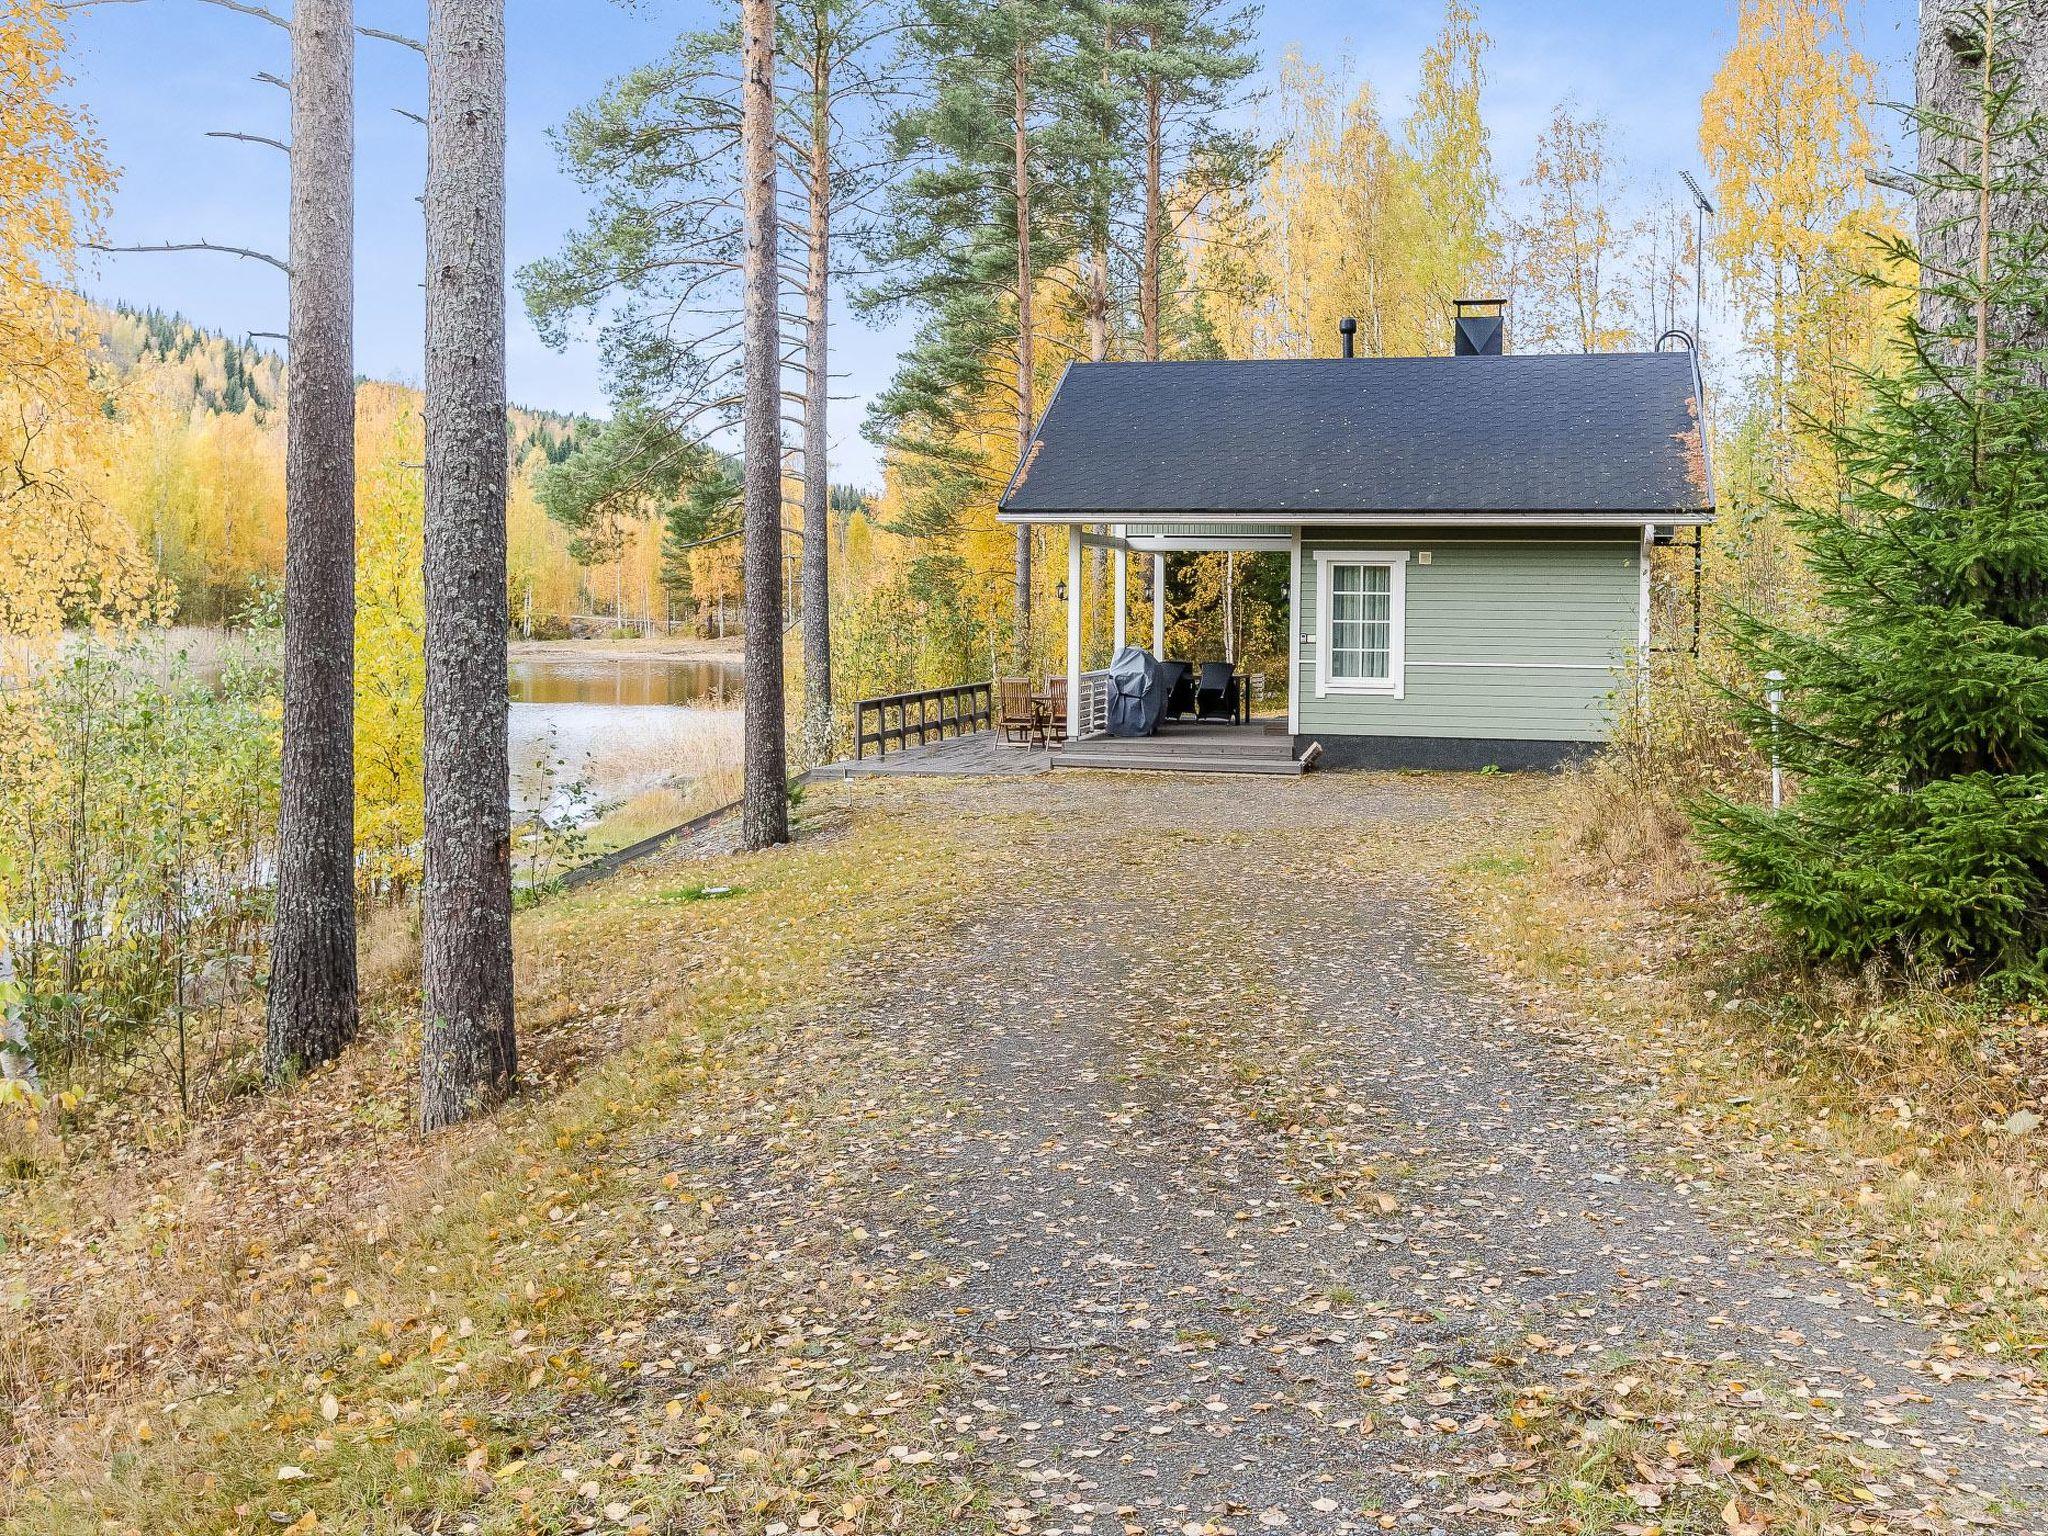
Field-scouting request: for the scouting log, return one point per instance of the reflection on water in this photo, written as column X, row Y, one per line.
column 618, row 726
column 623, row 681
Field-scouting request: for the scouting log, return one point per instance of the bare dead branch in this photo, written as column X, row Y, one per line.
column 390, row 37
column 250, row 138
column 245, row 8
column 192, row 245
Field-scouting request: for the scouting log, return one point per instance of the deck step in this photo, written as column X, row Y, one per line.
column 1179, row 762
column 1279, row 748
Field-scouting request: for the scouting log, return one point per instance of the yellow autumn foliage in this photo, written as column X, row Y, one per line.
column 391, row 675
column 1786, row 131
column 63, row 554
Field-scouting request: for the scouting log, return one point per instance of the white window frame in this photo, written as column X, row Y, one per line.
column 1394, row 684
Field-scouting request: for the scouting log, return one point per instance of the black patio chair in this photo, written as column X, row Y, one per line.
column 1179, row 680
column 1216, row 692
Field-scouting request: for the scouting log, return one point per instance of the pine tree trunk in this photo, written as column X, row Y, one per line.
column 1027, row 404
column 311, row 1011
column 1098, row 303
column 817, row 441
column 1949, row 82
column 1148, row 289
column 764, row 793
column 469, row 1055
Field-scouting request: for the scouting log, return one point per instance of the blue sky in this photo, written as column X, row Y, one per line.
column 158, row 76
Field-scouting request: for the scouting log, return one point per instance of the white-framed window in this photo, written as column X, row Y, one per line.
column 1361, row 613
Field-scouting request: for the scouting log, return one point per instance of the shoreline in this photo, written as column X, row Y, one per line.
column 656, row 648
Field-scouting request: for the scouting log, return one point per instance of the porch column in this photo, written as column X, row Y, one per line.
column 1159, row 606
column 1074, row 611
column 1123, row 562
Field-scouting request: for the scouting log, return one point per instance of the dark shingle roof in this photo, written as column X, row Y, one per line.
column 1602, row 433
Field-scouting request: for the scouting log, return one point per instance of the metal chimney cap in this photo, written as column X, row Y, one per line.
column 1479, row 327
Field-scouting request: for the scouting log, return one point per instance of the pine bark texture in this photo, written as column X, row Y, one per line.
column 1098, row 304
column 311, row 1008
column 764, row 792
column 817, row 571
column 469, row 1055
column 1027, row 403
column 1949, row 85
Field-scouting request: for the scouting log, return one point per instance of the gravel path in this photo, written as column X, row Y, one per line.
column 1254, row 1197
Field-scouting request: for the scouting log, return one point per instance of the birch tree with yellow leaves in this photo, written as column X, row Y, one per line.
column 63, row 555
column 1565, row 275
column 1386, row 223
column 1787, row 133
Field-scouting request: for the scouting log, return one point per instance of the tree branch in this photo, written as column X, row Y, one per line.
column 261, row 14
column 191, row 245
column 249, row 138
column 385, row 37
column 229, row 5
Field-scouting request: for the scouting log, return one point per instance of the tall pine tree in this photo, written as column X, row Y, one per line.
column 1007, row 148
column 1916, row 717
column 1187, row 61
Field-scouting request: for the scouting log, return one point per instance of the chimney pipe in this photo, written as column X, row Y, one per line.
column 1348, row 328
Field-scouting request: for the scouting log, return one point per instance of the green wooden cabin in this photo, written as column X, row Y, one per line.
column 1469, row 537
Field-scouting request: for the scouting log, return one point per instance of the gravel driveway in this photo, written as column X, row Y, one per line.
column 1253, row 1197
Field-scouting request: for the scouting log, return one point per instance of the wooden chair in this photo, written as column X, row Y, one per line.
column 1023, row 720
column 1056, row 712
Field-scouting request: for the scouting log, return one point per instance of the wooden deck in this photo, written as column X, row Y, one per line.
column 1188, row 746
column 1262, row 747
column 984, row 754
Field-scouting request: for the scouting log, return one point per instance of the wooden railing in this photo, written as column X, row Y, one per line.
column 920, row 717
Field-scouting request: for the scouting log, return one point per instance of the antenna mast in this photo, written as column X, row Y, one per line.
column 1699, row 252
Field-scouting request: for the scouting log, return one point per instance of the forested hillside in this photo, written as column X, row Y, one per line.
column 198, row 474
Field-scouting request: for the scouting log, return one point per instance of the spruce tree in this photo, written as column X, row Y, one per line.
column 1915, row 722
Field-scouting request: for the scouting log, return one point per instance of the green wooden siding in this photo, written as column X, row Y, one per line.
column 1523, row 639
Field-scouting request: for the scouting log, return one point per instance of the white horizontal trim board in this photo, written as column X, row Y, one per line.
column 1481, row 522
column 1484, row 536
column 1527, row 666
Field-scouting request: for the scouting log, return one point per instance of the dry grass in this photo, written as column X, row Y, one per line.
column 304, row 1317
column 1686, row 1449
column 656, row 810
column 388, row 958
column 1894, row 1113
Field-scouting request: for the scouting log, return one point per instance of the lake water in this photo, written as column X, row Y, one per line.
column 620, row 724
column 625, row 681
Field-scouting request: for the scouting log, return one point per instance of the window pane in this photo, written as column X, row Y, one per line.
column 1361, row 622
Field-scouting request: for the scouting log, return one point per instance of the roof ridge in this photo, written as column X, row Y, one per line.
column 1421, row 357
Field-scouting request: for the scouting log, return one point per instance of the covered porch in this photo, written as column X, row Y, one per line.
column 1222, row 717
